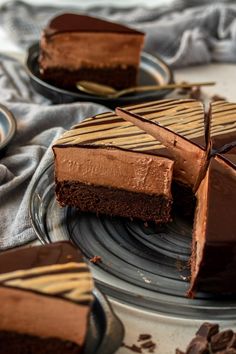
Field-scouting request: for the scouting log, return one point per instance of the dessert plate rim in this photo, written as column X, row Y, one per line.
column 113, row 329
column 154, row 65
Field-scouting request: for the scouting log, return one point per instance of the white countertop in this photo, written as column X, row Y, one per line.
column 168, row 333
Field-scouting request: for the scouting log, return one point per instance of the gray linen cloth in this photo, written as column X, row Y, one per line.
column 182, row 33
column 38, row 124
column 188, row 32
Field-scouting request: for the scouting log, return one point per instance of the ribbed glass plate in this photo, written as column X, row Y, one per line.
column 142, row 265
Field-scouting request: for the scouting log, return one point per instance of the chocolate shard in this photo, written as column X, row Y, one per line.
column 221, row 340
column 198, row 345
column 207, row 330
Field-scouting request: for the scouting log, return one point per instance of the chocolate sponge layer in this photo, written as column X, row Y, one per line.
column 109, row 201
column 16, row 343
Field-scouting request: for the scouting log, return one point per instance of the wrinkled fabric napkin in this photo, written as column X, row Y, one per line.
column 184, row 32
column 29, row 153
column 181, row 35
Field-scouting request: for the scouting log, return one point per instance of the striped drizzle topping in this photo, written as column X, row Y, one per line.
column 71, row 281
column 184, row 117
column 223, row 118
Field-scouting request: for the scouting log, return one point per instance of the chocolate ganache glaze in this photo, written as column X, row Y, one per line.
column 71, row 22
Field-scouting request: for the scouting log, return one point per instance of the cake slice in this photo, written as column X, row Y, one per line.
column 99, row 168
column 179, row 125
column 213, row 261
column 46, row 296
column 77, row 47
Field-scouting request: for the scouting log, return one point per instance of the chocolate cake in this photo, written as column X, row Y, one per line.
column 77, row 47
column 214, row 221
column 46, row 296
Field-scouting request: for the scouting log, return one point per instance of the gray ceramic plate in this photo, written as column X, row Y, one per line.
column 7, row 127
column 144, row 266
column 106, row 332
column 153, row 71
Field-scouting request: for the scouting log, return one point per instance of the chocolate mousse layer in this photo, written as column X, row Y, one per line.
column 39, row 287
column 78, row 47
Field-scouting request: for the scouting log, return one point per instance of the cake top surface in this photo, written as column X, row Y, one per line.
column 223, row 123
column 72, row 22
column 56, row 270
column 184, row 117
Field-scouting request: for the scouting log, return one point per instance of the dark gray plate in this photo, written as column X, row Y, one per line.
column 106, row 332
column 145, row 266
column 153, row 71
column 7, row 127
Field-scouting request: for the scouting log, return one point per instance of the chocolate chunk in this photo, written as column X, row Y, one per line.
column 195, row 93
column 232, row 343
column 217, row 98
column 221, row 340
column 198, row 345
column 144, row 337
column 207, row 330
column 96, row 259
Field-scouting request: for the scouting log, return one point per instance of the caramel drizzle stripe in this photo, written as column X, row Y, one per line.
column 71, row 280
column 164, row 103
column 167, row 112
column 119, row 130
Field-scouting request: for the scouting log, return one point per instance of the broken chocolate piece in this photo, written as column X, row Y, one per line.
column 207, row 330
column 198, row 345
column 221, row 340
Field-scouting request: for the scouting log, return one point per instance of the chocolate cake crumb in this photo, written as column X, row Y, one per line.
column 96, row 259
column 143, row 337
column 133, row 347
column 150, row 345
column 195, row 93
column 221, row 340
column 215, row 98
column 207, row 330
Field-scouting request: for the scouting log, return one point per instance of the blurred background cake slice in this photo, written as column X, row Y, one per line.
column 77, row 47
column 46, row 297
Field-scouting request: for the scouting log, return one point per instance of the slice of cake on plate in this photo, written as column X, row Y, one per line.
column 77, row 47
column 46, row 297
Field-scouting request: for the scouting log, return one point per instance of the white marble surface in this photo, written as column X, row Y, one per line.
column 168, row 333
